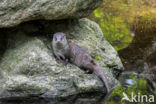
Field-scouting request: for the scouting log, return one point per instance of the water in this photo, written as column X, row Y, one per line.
column 92, row 98
column 132, row 84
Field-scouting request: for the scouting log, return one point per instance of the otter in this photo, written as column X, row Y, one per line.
column 77, row 55
column 60, row 47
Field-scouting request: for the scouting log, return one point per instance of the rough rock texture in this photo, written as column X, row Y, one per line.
column 13, row 12
column 28, row 67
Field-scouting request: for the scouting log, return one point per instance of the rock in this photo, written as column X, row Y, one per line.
column 131, row 83
column 14, row 12
column 2, row 42
column 28, row 67
column 150, row 70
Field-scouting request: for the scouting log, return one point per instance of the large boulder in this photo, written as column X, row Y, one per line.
column 13, row 12
column 28, row 67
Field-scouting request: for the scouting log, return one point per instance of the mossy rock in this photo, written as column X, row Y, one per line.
column 28, row 66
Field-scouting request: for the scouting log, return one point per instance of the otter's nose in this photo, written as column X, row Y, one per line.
column 58, row 41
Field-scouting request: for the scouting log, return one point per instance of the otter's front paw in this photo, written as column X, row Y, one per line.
column 66, row 61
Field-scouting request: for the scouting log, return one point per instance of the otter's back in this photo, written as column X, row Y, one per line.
column 78, row 55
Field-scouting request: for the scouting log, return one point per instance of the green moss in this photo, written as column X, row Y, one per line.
column 117, row 18
column 142, row 84
column 138, row 88
column 114, row 29
column 98, row 58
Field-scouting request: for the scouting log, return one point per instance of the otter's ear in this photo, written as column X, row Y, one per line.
column 64, row 35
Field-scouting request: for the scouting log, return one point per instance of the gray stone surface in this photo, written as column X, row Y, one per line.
column 28, row 67
column 13, row 12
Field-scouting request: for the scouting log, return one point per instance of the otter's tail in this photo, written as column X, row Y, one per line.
column 100, row 73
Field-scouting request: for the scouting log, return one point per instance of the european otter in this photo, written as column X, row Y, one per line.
column 76, row 55
column 60, row 47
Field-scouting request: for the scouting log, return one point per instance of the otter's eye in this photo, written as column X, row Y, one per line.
column 62, row 38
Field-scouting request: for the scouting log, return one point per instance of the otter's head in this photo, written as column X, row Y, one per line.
column 60, row 39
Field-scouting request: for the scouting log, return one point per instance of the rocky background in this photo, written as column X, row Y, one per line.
column 27, row 65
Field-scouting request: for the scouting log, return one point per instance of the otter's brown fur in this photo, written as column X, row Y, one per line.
column 78, row 56
column 81, row 58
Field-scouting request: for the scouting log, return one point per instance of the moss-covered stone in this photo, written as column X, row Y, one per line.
column 133, row 87
column 28, row 66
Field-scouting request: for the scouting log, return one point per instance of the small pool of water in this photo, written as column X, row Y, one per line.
column 90, row 98
column 134, row 89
